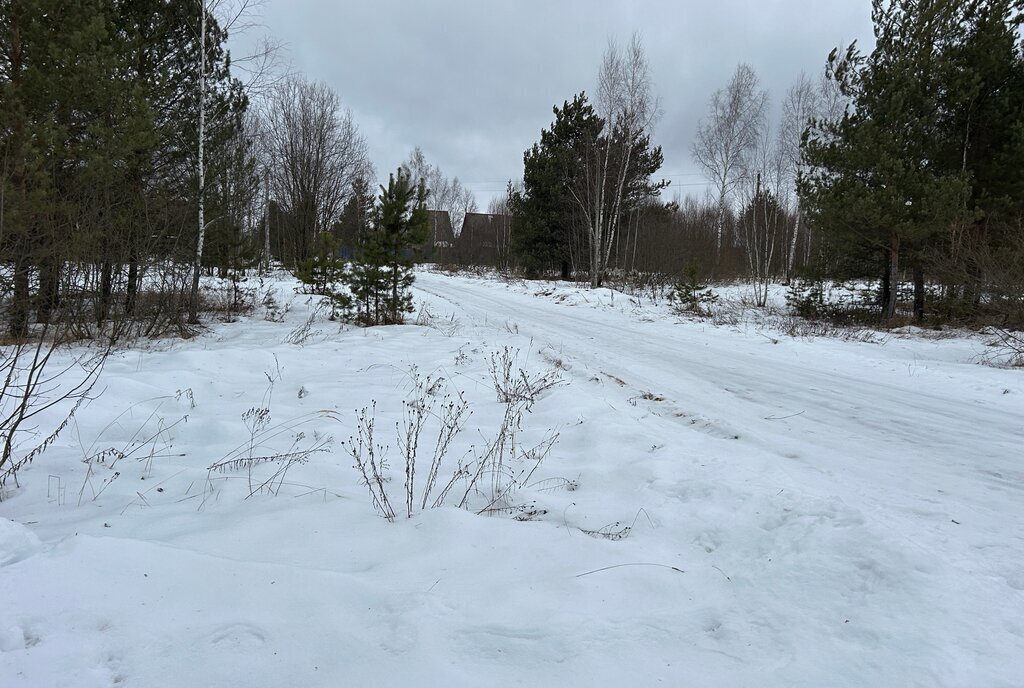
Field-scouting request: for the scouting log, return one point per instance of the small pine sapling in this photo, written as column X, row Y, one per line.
column 691, row 294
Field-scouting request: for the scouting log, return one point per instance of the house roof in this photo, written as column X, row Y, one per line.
column 477, row 226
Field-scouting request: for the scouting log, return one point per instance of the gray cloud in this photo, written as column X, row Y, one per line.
column 473, row 83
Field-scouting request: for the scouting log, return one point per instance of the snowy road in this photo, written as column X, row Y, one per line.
column 924, row 456
column 864, row 423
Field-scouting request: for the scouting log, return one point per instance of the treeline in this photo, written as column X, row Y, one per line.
column 903, row 167
column 134, row 158
column 590, row 205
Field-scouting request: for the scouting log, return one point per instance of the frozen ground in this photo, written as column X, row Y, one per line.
column 724, row 507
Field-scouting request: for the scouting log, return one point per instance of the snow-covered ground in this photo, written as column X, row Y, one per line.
column 724, row 506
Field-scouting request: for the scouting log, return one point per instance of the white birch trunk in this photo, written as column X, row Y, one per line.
column 193, row 315
column 792, row 244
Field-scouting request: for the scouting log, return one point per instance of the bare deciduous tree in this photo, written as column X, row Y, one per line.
column 832, row 102
column 463, row 203
column 801, row 104
column 315, row 152
column 762, row 189
column 445, row 194
column 728, row 135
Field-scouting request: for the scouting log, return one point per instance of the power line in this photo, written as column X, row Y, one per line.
column 505, row 181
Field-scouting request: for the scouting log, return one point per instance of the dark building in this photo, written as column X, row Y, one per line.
column 484, row 240
column 440, row 240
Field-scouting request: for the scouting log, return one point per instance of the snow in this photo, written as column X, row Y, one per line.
column 724, row 506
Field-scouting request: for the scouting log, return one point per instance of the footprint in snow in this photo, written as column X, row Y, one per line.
column 240, row 636
column 709, row 427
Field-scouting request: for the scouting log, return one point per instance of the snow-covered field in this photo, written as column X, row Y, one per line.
column 724, row 506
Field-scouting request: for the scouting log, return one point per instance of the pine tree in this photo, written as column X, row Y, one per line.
column 984, row 131
column 325, row 273
column 874, row 180
column 382, row 274
column 547, row 230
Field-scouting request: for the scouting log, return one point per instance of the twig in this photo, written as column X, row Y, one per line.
column 792, row 415
column 618, row 566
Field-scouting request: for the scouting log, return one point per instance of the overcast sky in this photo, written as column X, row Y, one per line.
column 473, row 82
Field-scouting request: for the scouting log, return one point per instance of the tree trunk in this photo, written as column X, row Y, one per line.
column 792, row 247
column 49, row 289
column 636, row 239
column 883, row 298
column 266, row 219
column 193, row 308
column 918, row 291
column 17, row 322
column 889, row 307
column 394, row 294
column 106, row 290
column 132, row 288
column 719, row 228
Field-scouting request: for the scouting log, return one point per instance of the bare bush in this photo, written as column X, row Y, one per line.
column 449, row 326
column 495, row 473
column 371, row 461
column 37, row 392
column 262, row 457
column 304, row 332
column 150, row 441
column 1006, row 348
column 448, row 412
column 802, row 328
column 514, row 385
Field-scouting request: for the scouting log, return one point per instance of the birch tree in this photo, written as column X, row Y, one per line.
column 764, row 183
column 618, row 164
column 448, row 195
column 727, row 136
column 222, row 97
column 193, row 307
column 801, row 105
